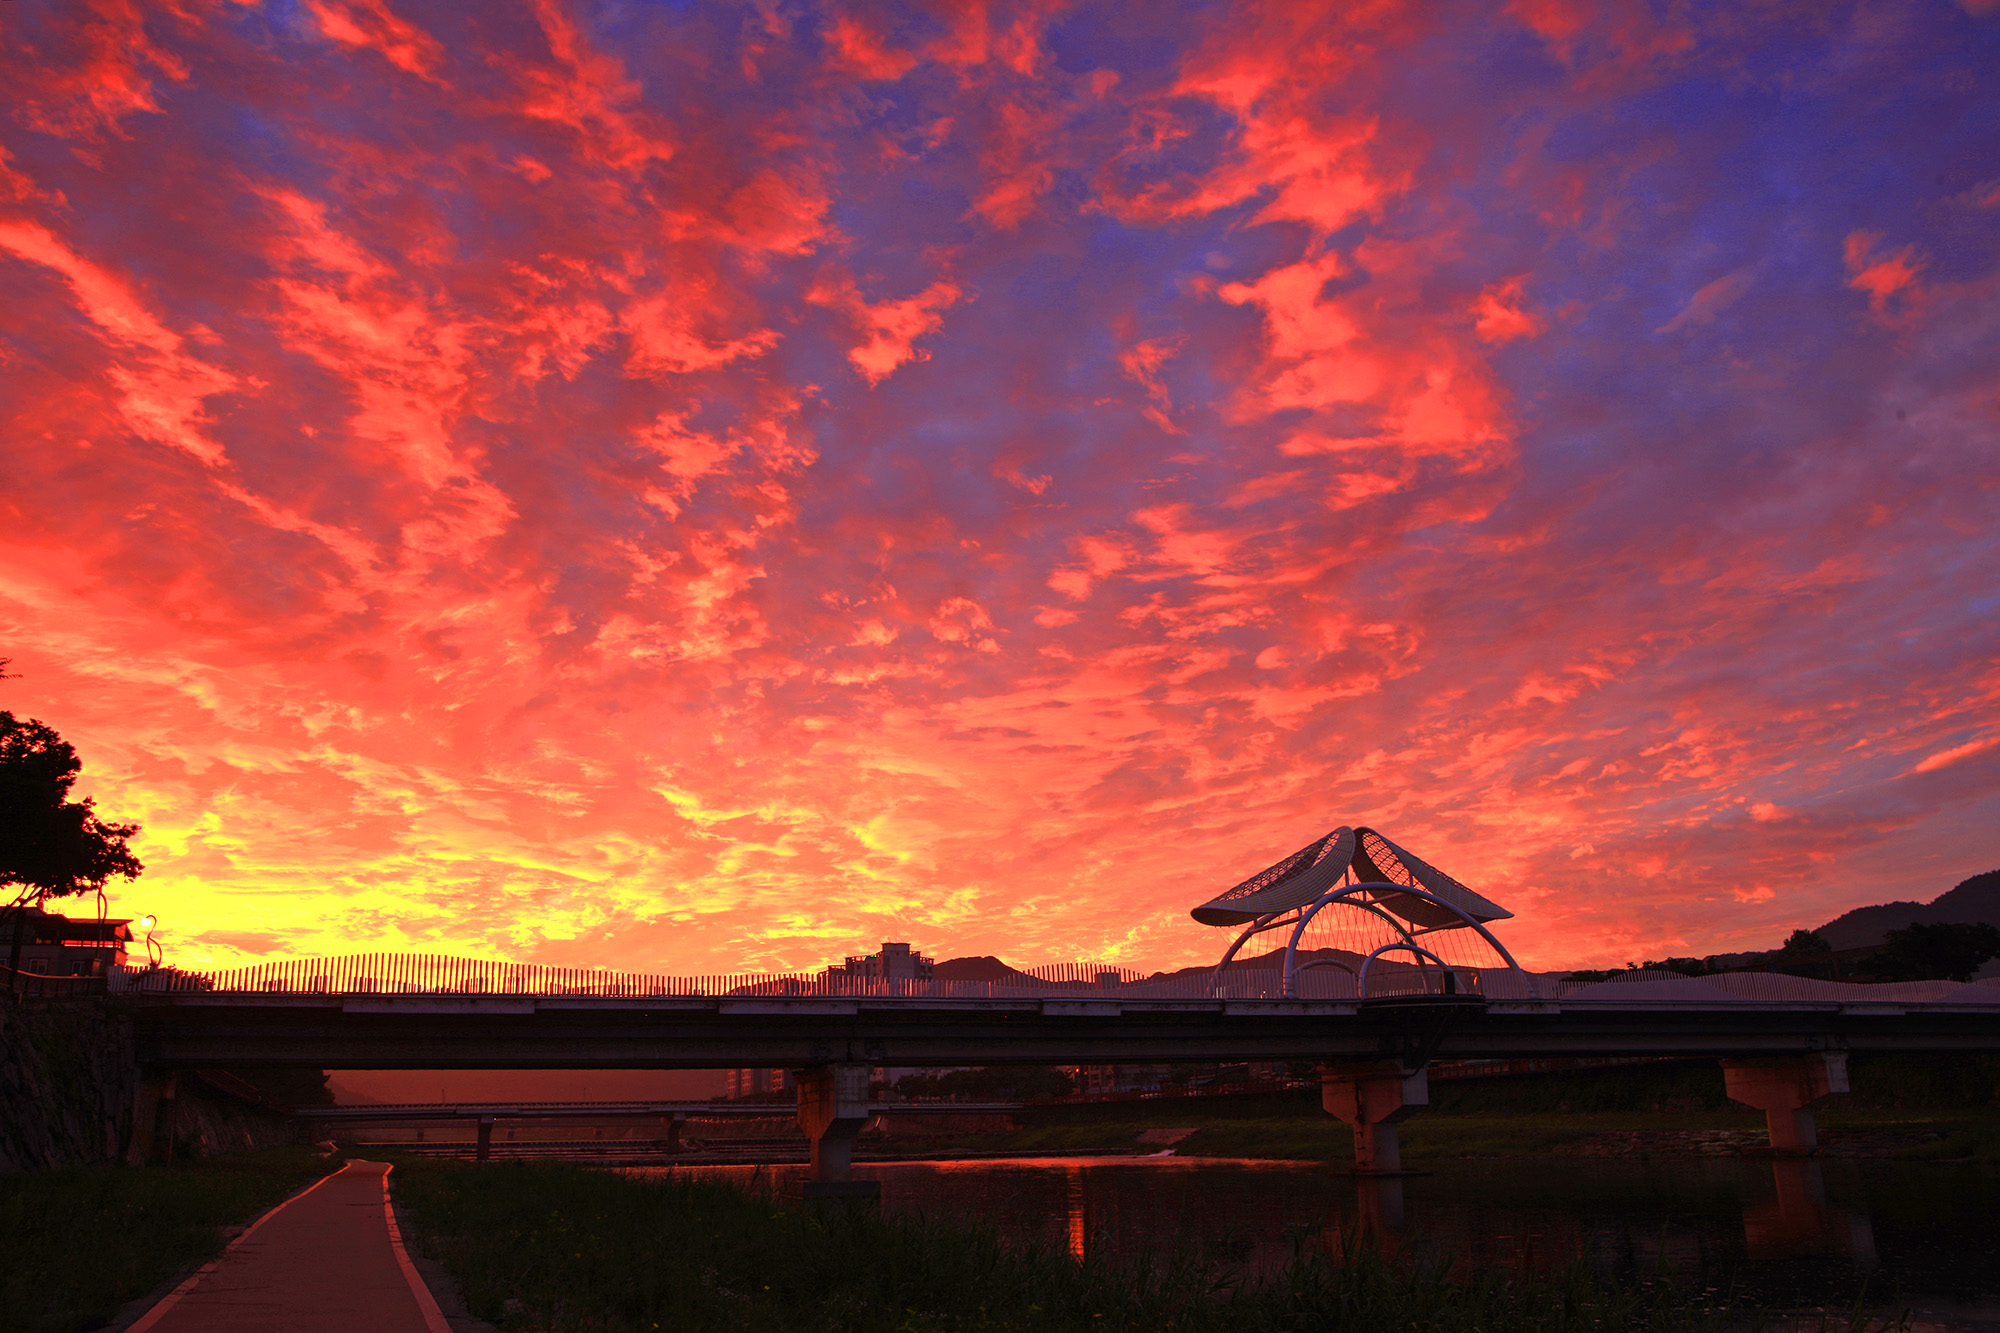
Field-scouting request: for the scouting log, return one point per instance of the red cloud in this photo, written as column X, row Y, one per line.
column 889, row 329
column 373, row 25
column 1883, row 277
column 1499, row 316
column 857, row 49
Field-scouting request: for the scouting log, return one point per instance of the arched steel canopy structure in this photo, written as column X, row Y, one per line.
column 1357, row 869
column 1313, row 869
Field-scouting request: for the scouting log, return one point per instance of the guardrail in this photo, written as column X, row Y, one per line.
column 44, row 984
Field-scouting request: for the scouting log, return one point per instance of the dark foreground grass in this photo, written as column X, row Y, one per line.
column 568, row 1250
column 76, row 1245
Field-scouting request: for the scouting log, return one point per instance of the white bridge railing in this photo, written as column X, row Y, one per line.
column 408, row 974
column 411, row 974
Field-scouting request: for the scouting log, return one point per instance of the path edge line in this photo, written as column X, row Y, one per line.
column 434, row 1319
column 173, row 1298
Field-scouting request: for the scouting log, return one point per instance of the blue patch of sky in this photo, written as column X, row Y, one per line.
column 287, row 18
column 1774, row 183
column 1144, row 43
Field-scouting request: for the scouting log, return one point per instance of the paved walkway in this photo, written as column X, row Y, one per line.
column 328, row 1260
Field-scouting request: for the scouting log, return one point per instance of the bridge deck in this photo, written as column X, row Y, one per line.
column 413, row 1031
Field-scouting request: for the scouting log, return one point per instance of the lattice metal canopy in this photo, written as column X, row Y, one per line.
column 1309, row 872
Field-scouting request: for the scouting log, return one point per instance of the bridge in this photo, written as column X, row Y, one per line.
column 672, row 1115
column 1388, row 964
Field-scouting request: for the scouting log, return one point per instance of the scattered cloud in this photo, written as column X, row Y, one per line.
column 1712, row 300
column 701, row 489
column 1883, row 276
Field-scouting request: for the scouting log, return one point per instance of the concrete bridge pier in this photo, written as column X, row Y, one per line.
column 1371, row 1096
column 485, row 1149
column 1782, row 1087
column 833, row 1110
column 153, row 1119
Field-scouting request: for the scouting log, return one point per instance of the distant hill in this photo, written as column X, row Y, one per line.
column 985, row 967
column 1975, row 899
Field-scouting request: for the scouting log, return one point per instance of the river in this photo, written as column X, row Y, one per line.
column 1781, row 1233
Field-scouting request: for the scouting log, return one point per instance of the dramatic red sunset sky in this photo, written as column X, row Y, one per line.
column 698, row 487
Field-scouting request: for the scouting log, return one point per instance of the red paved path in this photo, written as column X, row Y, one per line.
column 322, row 1263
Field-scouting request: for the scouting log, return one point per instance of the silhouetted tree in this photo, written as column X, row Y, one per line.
column 50, row 846
column 1687, row 967
column 1805, row 941
column 989, row 1084
column 1938, row 952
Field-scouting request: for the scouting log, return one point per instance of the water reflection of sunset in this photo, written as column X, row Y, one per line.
column 710, row 488
column 1079, row 1229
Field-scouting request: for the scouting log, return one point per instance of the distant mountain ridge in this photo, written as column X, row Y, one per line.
column 1973, row 900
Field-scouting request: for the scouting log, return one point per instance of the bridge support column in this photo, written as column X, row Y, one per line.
column 833, row 1110
column 153, row 1107
column 1371, row 1097
column 1782, row 1088
column 672, row 1124
column 485, row 1151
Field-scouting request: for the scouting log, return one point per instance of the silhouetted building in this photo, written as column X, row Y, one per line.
column 57, row 946
column 895, row 962
column 750, row 1082
column 1102, row 1080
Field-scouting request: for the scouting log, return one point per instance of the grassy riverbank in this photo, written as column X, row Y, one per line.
column 1924, row 1107
column 80, row 1243
column 560, row 1249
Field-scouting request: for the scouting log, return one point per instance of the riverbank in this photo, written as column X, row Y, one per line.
column 561, row 1247
column 1925, row 1107
column 558, row 1248
column 82, row 1242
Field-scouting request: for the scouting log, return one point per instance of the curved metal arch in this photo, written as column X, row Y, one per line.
column 1369, row 961
column 1263, row 923
column 1272, row 920
column 1331, row 962
column 1335, row 895
column 1306, row 914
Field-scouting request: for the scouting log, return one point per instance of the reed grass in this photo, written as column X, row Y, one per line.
column 558, row 1249
column 77, row 1244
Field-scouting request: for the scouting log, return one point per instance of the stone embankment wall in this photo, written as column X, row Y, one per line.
column 70, row 1085
column 68, row 1081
